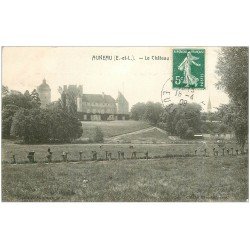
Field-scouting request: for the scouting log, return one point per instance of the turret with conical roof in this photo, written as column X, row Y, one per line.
column 122, row 104
column 44, row 93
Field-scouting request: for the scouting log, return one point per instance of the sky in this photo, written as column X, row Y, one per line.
column 24, row 68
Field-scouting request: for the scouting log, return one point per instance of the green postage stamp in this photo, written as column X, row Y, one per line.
column 189, row 68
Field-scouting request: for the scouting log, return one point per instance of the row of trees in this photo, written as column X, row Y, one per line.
column 147, row 111
column 23, row 118
column 184, row 120
column 181, row 120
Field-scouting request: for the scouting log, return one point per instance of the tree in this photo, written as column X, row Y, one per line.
column 5, row 90
column 45, row 125
column 12, row 102
column 149, row 112
column 8, row 113
column 152, row 112
column 223, row 129
column 18, row 99
column 181, row 128
column 236, row 118
column 31, row 125
column 232, row 67
column 35, row 100
column 98, row 136
column 63, row 100
column 189, row 114
column 137, row 111
column 64, row 126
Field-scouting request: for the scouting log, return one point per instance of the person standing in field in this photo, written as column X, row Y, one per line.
column 49, row 155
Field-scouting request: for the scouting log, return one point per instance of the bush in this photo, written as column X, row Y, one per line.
column 98, row 137
column 189, row 134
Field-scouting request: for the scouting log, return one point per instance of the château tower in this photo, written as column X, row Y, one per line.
column 44, row 93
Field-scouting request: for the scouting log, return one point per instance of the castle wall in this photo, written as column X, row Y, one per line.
column 79, row 104
column 101, row 108
column 91, row 107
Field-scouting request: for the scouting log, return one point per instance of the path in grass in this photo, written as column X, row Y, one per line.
column 112, row 128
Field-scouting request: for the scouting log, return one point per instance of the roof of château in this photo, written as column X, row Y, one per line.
column 43, row 86
column 98, row 98
column 121, row 98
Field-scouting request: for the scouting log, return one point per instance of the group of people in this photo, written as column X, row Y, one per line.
column 227, row 151
column 108, row 156
column 120, row 154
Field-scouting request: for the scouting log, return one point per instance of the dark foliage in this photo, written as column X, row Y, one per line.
column 12, row 102
column 232, row 68
column 45, row 125
column 98, row 136
column 178, row 119
column 149, row 112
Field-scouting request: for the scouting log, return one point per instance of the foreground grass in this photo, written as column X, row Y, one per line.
column 172, row 179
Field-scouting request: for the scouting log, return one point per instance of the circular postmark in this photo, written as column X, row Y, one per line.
column 171, row 96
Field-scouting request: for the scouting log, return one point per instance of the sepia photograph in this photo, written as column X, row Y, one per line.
column 125, row 124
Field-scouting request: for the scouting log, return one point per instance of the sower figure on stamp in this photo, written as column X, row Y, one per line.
column 186, row 67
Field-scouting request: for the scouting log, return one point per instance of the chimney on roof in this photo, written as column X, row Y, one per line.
column 103, row 94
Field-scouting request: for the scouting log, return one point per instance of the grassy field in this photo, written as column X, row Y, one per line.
column 174, row 173
column 171, row 179
column 112, row 128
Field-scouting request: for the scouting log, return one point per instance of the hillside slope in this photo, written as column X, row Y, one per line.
column 112, row 128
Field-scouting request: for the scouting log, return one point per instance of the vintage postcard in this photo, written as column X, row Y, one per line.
column 125, row 124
